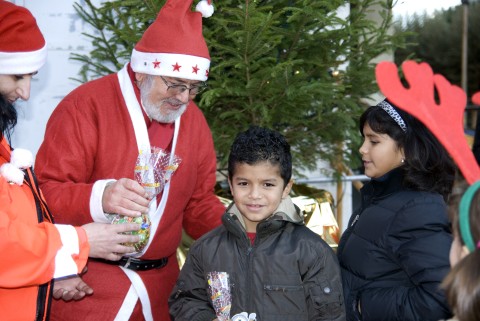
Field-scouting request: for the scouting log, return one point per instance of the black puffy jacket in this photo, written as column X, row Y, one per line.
column 395, row 253
column 289, row 274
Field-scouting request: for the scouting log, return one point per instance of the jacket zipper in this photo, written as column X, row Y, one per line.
column 41, row 302
column 250, row 274
column 45, row 290
column 355, row 220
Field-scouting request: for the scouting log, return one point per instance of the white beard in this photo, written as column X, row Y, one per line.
column 154, row 110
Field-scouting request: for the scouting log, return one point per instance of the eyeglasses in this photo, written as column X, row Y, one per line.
column 178, row 88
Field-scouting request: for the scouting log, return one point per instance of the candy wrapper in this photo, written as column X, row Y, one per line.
column 153, row 169
column 144, row 231
column 220, row 294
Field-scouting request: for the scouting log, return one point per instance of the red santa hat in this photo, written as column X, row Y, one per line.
column 173, row 45
column 23, row 49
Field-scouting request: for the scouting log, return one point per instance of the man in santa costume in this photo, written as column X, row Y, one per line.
column 34, row 249
column 86, row 164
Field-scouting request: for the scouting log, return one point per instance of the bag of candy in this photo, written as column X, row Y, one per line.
column 153, row 169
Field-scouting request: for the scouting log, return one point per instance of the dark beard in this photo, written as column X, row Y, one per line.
column 8, row 118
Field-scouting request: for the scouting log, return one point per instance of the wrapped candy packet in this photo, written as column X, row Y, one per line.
column 153, row 169
column 144, row 232
column 220, row 294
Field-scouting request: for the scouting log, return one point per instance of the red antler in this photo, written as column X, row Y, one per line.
column 476, row 100
column 445, row 120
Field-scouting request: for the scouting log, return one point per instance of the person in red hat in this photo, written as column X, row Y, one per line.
column 92, row 141
column 34, row 249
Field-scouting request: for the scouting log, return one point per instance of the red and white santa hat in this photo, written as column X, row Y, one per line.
column 23, row 49
column 173, row 45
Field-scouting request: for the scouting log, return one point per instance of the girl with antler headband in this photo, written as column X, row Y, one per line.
column 394, row 254
column 445, row 120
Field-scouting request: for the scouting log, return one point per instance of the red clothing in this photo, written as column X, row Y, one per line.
column 28, row 248
column 90, row 137
column 251, row 237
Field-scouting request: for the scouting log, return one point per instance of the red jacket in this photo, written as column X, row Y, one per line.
column 29, row 244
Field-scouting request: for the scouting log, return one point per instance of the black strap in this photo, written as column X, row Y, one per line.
column 40, row 204
column 45, row 291
column 137, row 264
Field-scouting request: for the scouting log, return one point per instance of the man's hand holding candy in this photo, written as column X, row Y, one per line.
column 107, row 240
column 125, row 197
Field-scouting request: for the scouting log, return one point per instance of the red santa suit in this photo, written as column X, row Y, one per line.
column 31, row 248
column 94, row 135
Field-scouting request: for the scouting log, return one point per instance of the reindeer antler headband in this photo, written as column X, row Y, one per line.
column 444, row 120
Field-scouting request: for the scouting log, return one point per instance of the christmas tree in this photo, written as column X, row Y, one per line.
column 302, row 67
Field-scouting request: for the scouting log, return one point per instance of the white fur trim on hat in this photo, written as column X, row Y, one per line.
column 205, row 8
column 21, row 158
column 170, row 65
column 22, row 63
column 12, row 174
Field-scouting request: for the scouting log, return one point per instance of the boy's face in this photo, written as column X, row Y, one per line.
column 257, row 191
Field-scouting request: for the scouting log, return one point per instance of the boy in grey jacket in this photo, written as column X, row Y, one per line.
column 271, row 265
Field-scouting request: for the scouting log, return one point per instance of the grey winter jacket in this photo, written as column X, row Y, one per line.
column 289, row 274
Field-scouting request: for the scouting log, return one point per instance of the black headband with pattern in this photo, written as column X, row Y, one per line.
column 394, row 114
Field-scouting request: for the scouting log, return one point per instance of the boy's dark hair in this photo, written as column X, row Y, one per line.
column 259, row 144
column 428, row 166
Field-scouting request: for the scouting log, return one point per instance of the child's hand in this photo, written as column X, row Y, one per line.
column 71, row 288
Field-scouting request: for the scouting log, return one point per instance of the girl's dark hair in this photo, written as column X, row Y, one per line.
column 258, row 144
column 462, row 288
column 428, row 166
column 459, row 188
column 8, row 117
column 462, row 283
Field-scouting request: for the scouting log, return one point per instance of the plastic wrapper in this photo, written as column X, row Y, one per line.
column 220, row 294
column 153, row 169
column 144, row 231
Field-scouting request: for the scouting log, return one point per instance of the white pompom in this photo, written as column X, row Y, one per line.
column 205, row 9
column 12, row 174
column 21, row 158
